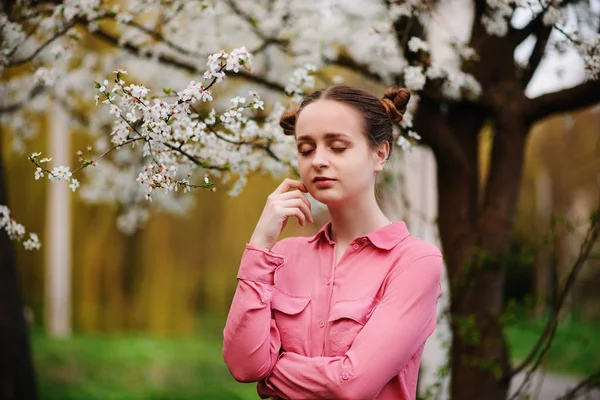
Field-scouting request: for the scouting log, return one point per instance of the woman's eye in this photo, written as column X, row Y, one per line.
column 305, row 152
column 338, row 149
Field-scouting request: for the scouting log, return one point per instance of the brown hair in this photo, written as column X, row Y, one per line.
column 378, row 114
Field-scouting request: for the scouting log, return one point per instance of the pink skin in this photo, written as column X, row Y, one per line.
column 332, row 144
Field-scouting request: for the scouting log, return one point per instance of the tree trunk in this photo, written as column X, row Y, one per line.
column 543, row 260
column 481, row 362
column 17, row 381
column 475, row 236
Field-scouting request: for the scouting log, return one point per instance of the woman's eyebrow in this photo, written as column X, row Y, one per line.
column 328, row 135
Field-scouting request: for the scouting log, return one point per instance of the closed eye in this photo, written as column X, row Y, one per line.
column 338, row 149
column 305, row 152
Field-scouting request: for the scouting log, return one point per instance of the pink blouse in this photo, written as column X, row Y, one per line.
column 305, row 328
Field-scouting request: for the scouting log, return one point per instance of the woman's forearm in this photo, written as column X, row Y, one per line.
column 251, row 341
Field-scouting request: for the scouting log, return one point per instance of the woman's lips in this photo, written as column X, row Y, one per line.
column 323, row 183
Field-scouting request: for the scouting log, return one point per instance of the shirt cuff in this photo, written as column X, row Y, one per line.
column 259, row 265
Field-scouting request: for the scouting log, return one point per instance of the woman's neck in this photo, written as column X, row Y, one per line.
column 356, row 219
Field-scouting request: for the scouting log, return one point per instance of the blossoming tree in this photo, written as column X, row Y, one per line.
column 163, row 127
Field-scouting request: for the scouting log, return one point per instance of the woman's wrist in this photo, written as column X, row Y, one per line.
column 259, row 245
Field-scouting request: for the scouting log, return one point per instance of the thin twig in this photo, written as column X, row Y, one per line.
column 589, row 383
column 37, row 89
column 192, row 158
column 109, row 151
column 161, row 38
column 544, row 342
column 42, row 46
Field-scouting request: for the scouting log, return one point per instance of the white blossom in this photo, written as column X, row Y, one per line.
column 414, row 135
column 589, row 48
column 74, row 184
column 238, row 100
column 403, row 143
column 44, row 77
column 554, row 15
column 32, row 243
column 169, row 133
column 302, row 79
column 39, row 173
column 496, row 25
column 496, row 20
column 16, row 231
column 61, row 173
column 414, row 79
column 415, row 44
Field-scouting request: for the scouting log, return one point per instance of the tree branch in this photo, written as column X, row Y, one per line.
column 345, row 61
column 580, row 96
column 188, row 67
column 545, row 340
column 536, row 54
column 480, row 8
column 518, row 35
column 534, row 26
column 246, row 17
column 160, row 38
column 432, row 125
column 589, row 383
column 37, row 89
column 42, row 46
column 192, row 158
column 266, row 40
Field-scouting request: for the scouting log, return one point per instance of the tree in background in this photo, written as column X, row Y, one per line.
column 174, row 140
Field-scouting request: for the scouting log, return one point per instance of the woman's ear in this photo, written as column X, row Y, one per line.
column 381, row 155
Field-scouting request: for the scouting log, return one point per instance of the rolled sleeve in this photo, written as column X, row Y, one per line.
column 259, row 265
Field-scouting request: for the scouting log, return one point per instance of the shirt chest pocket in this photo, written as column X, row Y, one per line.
column 292, row 316
column 346, row 320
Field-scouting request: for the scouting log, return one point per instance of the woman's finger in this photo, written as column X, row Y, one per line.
column 296, row 212
column 294, row 195
column 288, row 184
column 301, row 205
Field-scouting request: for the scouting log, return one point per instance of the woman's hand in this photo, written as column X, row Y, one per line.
column 265, row 392
column 282, row 204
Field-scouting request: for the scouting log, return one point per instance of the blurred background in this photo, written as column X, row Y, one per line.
column 117, row 314
column 147, row 309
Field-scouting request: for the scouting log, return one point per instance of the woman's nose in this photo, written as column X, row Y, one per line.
column 320, row 160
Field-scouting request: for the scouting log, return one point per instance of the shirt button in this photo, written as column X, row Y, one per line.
column 321, row 324
column 345, row 375
column 355, row 246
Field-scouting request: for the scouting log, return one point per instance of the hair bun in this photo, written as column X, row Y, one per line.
column 395, row 101
column 287, row 121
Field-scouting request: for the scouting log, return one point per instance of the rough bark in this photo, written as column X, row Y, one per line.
column 481, row 363
column 475, row 228
column 17, row 381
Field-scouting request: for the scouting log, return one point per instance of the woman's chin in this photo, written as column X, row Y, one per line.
column 327, row 197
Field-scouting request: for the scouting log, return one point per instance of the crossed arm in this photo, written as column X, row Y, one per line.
column 397, row 329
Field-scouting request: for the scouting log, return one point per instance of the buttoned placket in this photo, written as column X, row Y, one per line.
column 354, row 247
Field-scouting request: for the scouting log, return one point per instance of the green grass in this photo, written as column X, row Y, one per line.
column 143, row 367
column 575, row 349
column 87, row 367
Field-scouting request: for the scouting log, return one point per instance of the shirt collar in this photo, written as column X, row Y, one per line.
column 384, row 238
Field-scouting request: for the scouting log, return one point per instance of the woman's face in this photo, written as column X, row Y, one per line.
column 336, row 162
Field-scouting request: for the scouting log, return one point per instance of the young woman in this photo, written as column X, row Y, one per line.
column 344, row 314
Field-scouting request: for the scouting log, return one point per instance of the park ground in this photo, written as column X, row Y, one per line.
column 144, row 367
